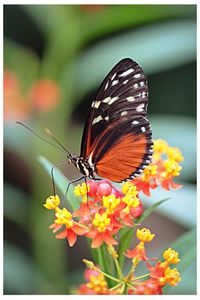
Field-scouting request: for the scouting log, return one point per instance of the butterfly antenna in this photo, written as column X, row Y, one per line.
column 36, row 134
column 55, row 139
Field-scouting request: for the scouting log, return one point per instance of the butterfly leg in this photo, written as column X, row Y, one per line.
column 52, row 176
column 70, row 182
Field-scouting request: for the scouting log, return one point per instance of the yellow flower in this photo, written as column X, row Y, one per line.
column 110, row 203
column 81, row 191
column 101, row 221
column 144, row 235
column 131, row 201
column 52, row 202
column 171, row 256
column 175, row 154
column 172, row 276
column 149, row 171
column 129, row 188
column 159, row 147
column 172, row 168
column 63, row 216
column 97, row 283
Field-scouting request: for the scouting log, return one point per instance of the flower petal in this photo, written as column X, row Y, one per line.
column 79, row 230
column 97, row 241
column 72, row 237
column 62, row 235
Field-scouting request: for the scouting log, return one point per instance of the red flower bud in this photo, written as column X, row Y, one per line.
column 93, row 188
column 104, row 189
column 136, row 212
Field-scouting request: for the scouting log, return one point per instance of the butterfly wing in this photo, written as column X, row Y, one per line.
column 117, row 136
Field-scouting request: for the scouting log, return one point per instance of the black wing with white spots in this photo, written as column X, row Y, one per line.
column 122, row 95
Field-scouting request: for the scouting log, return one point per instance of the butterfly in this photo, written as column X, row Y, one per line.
column 117, row 139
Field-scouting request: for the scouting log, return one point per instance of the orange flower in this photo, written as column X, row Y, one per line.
column 139, row 253
column 164, row 167
column 16, row 105
column 102, row 230
column 71, row 230
column 45, row 94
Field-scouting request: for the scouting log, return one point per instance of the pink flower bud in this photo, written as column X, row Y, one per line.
column 93, row 188
column 104, row 189
column 136, row 212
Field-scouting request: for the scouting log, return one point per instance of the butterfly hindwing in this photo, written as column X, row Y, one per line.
column 117, row 123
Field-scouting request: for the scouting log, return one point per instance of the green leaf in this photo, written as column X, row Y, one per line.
column 149, row 210
column 126, row 237
column 61, row 182
column 186, row 247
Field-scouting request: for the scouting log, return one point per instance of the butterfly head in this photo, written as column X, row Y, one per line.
column 82, row 165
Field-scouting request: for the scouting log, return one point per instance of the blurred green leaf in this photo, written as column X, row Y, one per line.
column 16, row 205
column 165, row 43
column 23, row 61
column 186, row 246
column 61, row 182
column 112, row 18
column 20, row 273
column 126, row 237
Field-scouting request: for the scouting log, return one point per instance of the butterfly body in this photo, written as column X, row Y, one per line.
column 117, row 142
column 82, row 166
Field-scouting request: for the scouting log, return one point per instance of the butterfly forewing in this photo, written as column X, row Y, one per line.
column 117, row 131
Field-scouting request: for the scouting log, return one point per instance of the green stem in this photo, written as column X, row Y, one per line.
column 108, row 276
column 119, row 270
column 116, row 287
column 130, row 286
column 142, row 276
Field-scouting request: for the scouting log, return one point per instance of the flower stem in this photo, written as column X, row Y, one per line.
column 119, row 270
column 139, row 277
column 107, row 275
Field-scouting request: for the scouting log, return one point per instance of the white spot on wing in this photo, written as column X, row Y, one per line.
column 107, row 118
column 143, row 94
column 96, row 104
column 124, row 113
column 125, row 81
column 113, row 76
column 141, row 83
column 130, row 99
column 143, row 129
column 92, row 105
column 140, row 107
column 127, row 72
column 135, row 122
column 106, row 86
column 97, row 119
column 115, row 82
column 112, row 100
column 135, row 86
column 106, row 100
column 137, row 75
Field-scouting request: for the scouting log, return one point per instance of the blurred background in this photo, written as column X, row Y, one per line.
column 55, row 57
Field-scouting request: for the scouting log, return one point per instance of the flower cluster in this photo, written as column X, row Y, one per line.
column 104, row 213
column 151, row 283
column 163, row 168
